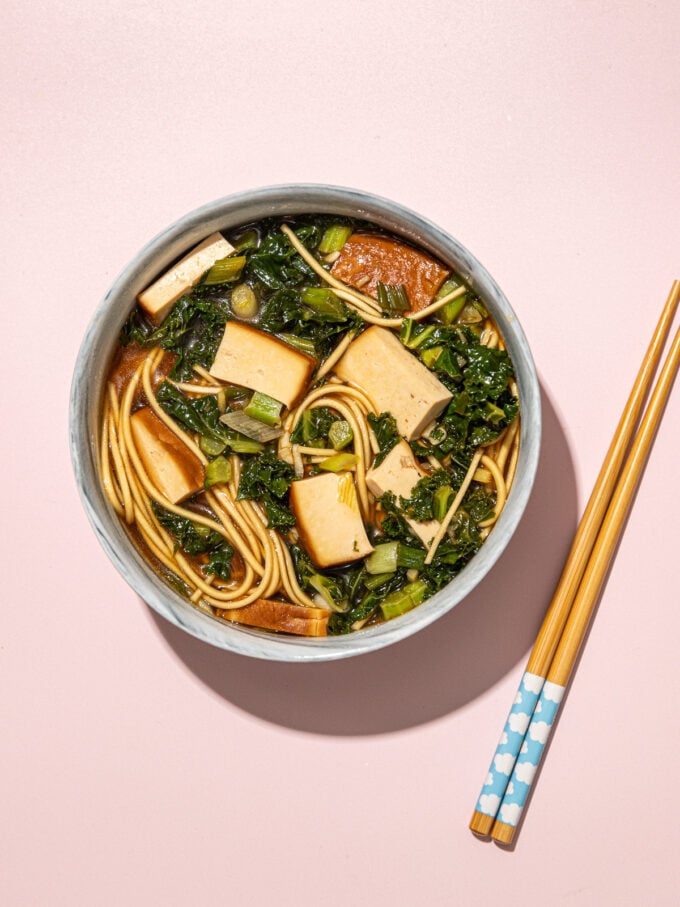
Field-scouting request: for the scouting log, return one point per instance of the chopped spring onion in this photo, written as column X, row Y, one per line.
column 211, row 447
column 324, row 303
column 225, row 270
column 429, row 357
column 373, row 582
column 264, row 409
column 383, row 559
column 440, row 501
column 299, row 343
column 217, row 472
column 470, row 315
column 334, row 238
column 397, row 603
column 450, row 312
column 393, row 298
column 340, row 434
column 339, row 462
column 240, row 444
column 251, row 428
column 494, row 414
column 390, row 555
column 410, row 558
column 243, row 301
column 438, row 435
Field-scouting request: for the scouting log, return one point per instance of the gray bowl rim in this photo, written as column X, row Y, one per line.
column 167, row 246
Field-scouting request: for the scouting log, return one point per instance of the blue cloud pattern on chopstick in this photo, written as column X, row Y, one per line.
column 509, row 745
column 531, row 753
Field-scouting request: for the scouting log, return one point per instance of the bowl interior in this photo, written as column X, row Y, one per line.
column 89, row 382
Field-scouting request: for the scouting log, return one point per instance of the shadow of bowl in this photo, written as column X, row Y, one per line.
column 439, row 669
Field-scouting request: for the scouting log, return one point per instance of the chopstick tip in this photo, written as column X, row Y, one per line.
column 503, row 833
column 481, row 824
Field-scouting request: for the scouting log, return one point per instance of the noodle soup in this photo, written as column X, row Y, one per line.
column 309, row 425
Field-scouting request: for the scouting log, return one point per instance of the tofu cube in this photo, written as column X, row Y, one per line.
column 158, row 299
column 397, row 382
column 326, row 509
column 175, row 471
column 256, row 360
column 398, row 473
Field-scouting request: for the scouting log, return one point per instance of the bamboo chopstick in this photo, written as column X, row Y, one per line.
column 584, row 605
column 512, row 738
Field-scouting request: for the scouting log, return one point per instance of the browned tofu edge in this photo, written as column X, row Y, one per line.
column 278, row 615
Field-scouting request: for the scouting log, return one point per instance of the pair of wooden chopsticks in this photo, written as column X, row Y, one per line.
column 551, row 663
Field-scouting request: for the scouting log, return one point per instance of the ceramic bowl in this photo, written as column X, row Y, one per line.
column 89, row 380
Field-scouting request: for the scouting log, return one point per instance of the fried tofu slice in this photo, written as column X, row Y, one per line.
column 399, row 473
column 394, row 379
column 282, row 616
column 255, row 359
column 158, row 299
column 367, row 259
column 326, row 510
column 175, row 471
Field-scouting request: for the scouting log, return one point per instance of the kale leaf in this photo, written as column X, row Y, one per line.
column 199, row 414
column 196, row 539
column 331, row 586
column 366, row 602
column 386, row 434
column 202, row 415
column 420, row 504
column 267, row 479
column 276, row 264
column 283, row 311
column 192, row 330
column 393, row 525
column 312, row 429
column 478, row 377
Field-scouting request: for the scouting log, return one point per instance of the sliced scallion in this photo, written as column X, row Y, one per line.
column 217, row 472
column 383, row 559
column 299, row 343
column 251, row 428
column 448, row 313
column 243, row 301
column 494, row 413
column 339, row 462
column 324, row 303
column 470, row 314
column 373, row 582
column 440, row 501
column 393, row 298
column 210, row 446
column 403, row 600
column 410, row 558
column 429, row 357
column 334, row 238
column 340, row 434
column 225, row 270
column 264, row 409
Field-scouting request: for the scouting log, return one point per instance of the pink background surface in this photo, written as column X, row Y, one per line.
column 138, row 766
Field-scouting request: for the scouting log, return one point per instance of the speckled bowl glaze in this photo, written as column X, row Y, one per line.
column 89, row 380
